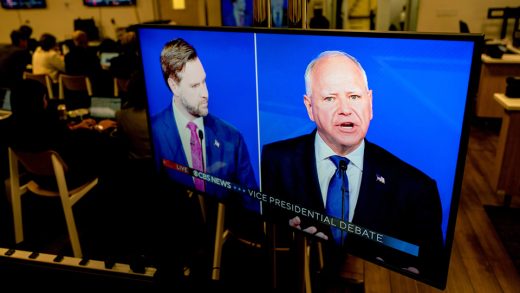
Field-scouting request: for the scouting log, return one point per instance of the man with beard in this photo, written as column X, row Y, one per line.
column 187, row 134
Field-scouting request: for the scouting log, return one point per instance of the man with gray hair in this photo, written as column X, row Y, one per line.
column 335, row 171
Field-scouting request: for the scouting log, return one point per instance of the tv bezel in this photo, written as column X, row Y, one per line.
column 474, row 73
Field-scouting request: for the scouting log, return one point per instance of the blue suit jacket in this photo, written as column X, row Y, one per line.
column 406, row 206
column 226, row 154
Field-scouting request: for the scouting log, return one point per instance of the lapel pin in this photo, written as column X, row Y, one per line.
column 216, row 143
column 380, row 178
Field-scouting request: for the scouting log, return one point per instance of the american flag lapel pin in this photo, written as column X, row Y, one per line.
column 216, row 143
column 380, row 178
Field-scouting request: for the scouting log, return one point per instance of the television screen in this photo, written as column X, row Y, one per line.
column 280, row 118
column 279, row 13
column 237, row 12
column 96, row 3
column 20, row 4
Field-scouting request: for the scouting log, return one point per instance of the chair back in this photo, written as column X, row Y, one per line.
column 47, row 163
column 74, row 83
column 44, row 79
column 39, row 163
column 120, row 86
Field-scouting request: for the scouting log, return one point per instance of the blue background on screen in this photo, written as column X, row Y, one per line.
column 419, row 90
column 228, row 59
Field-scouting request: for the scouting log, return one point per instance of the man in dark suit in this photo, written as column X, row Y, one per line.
column 223, row 152
column 240, row 14
column 381, row 192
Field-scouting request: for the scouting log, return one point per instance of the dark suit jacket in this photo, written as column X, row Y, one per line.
column 284, row 19
column 226, row 154
column 406, row 206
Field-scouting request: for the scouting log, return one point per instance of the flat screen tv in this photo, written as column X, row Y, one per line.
column 23, row 4
column 265, row 138
column 237, row 12
column 108, row 3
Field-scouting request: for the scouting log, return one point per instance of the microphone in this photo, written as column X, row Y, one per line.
column 201, row 137
column 343, row 167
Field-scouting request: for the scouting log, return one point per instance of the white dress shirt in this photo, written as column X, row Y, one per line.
column 326, row 170
column 48, row 62
column 184, row 132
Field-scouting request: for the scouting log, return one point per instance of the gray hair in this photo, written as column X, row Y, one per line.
column 324, row 54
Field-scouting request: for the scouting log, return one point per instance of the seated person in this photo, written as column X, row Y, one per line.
column 35, row 126
column 82, row 60
column 126, row 63
column 47, row 58
column 32, row 43
column 132, row 120
column 14, row 59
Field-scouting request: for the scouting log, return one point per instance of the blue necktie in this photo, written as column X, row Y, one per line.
column 338, row 199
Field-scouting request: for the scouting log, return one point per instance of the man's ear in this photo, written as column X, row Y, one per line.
column 308, row 105
column 370, row 101
column 174, row 87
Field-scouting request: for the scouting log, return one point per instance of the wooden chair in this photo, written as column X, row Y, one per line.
column 45, row 163
column 222, row 234
column 352, row 270
column 76, row 90
column 120, row 86
column 45, row 79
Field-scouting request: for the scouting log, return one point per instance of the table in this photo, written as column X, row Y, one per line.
column 493, row 74
column 507, row 171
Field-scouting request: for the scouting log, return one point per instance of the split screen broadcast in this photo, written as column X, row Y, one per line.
column 357, row 139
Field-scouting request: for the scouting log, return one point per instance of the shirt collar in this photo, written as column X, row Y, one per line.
column 323, row 152
column 182, row 120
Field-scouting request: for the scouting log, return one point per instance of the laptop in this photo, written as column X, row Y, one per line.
column 5, row 103
column 104, row 108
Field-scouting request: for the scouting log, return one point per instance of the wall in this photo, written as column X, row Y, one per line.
column 58, row 18
column 444, row 16
column 193, row 14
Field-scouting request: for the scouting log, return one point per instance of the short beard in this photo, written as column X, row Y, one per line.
column 194, row 110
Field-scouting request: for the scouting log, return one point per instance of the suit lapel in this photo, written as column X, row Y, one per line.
column 306, row 166
column 212, row 145
column 174, row 143
column 372, row 189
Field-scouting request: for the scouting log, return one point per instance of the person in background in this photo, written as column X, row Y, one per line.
column 32, row 43
column 14, row 59
column 278, row 14
column 126, row 63
column 82, row 60
column 47, row 58
column 36, row 126
column 239, row 15
column 318, row 20
column 132, row 120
